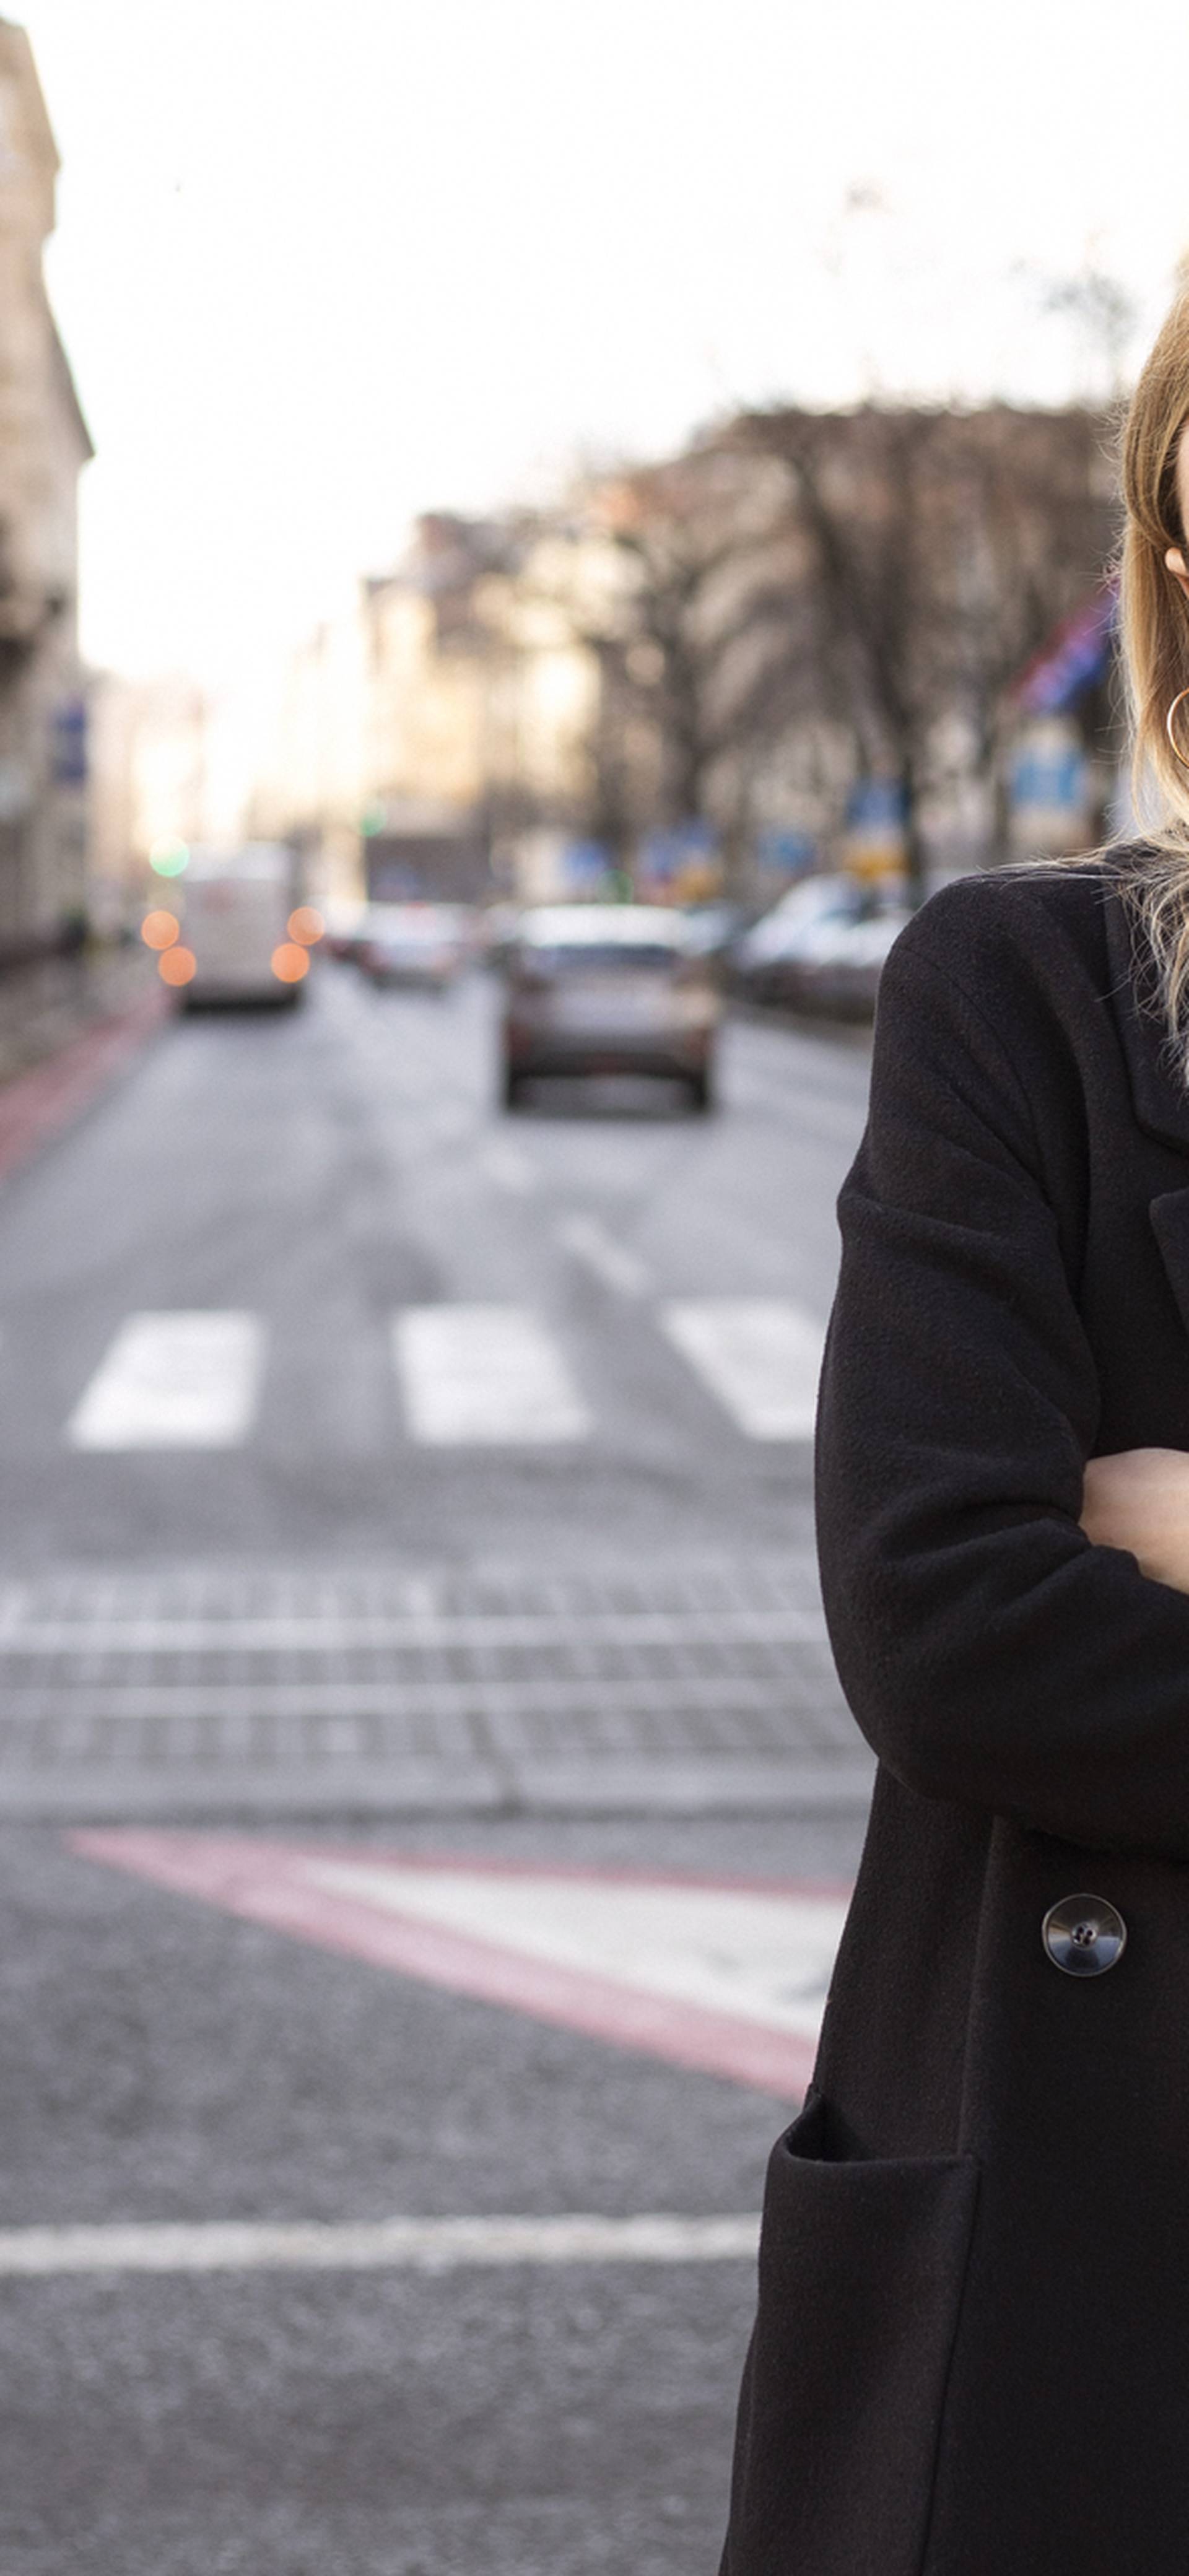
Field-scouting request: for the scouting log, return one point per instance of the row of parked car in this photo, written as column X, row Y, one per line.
column 822, row 947
column 597, row 989
column 637, row 988
column 423, row 946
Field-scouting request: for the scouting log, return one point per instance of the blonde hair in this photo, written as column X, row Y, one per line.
column 1154, row 627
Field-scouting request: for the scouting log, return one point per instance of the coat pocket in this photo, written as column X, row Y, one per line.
column 862, row 2261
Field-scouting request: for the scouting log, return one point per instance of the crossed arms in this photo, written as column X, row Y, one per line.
column 1139, row 1500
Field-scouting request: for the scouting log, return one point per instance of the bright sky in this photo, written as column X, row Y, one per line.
column 317, row 269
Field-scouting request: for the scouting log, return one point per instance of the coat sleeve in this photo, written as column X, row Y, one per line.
column 992, row 1656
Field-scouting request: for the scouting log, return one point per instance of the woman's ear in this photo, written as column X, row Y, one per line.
column 1175, row 562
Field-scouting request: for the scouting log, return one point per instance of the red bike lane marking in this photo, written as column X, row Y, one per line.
column 285, row 1886
column 37, row 1105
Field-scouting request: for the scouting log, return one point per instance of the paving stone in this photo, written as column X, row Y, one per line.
column 236, row 1689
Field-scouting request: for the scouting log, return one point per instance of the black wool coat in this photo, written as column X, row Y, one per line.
column 971, row 2356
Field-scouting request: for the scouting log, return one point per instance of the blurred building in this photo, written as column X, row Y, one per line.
column 445, row 718
column 811, row 637
column 825, row 628
column 150, row 780
column 313, row 787
column 43, row 446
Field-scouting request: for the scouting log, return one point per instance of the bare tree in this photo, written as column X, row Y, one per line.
column 709, row 640
column 944, row 547
column 1107, row 314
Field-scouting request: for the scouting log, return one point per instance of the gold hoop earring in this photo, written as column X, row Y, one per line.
column 1178, row 701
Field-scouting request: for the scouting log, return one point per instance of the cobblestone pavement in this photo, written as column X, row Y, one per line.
column 700, row 1682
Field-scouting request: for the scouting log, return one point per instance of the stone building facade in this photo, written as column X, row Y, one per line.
column 442, row 716
column 43, row 446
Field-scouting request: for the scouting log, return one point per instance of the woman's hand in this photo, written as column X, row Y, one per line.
column 1139, row 1499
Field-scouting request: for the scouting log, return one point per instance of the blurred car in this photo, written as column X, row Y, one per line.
column 822, row 947
column 841, row 972
column 608, row 988
column 765, row 963
column 712, row 926
column 235, row 944
column 416, row 944
column 496, row 929
column 345, row 926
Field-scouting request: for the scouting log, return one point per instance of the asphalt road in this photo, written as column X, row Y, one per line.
column 324, row 1171
column 286, row 1528
column 338, row 1618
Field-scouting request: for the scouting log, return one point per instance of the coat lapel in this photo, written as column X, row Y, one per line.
column 1160, row 1101
column 1161, row 1104
column 1170, row 1225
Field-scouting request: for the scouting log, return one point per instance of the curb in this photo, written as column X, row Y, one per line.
column 38, row 1105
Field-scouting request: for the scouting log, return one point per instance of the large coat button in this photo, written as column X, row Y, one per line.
column 1083, row 1935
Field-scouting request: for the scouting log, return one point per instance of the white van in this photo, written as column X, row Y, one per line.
column 234, row 908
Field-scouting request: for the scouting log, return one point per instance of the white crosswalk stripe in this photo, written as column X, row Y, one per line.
column 483, row 1374
column 486, row 1375
column 173, row 1381
column 760, row 1356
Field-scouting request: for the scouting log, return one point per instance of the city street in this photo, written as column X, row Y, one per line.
column 428, row 1809
column 365, row 1442
column 505, row 570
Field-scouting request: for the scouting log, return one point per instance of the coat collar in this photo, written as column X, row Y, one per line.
column 1160, row 1102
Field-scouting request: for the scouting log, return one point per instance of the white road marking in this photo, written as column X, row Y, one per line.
column 727, row 1975
column 761, row 1356
column 483, row 1374
column 509, row 1168
column 82, row 1702
column 465, row 1630
column 173, row 1381
column 756, row 1955
column 610, row 1261
column 386, row 2244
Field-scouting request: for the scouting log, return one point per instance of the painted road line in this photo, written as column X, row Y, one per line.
column 381, row 2245
column 724, row 1975
column 510, row 1169
column 763, row 1956
column 610, row 1261
column 761, row 1357
column 463, row 1631
column 674, row 1698
column 173, row 1381
column 483, row 1374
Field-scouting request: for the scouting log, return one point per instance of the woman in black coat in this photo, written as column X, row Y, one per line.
column 971, row 2356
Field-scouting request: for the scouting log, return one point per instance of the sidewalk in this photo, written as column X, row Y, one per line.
column 67, row 1025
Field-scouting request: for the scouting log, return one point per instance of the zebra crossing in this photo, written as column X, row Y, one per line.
column 760, row 1355
column 173, row 1381
column 483, row 1374
column 466, row 1375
